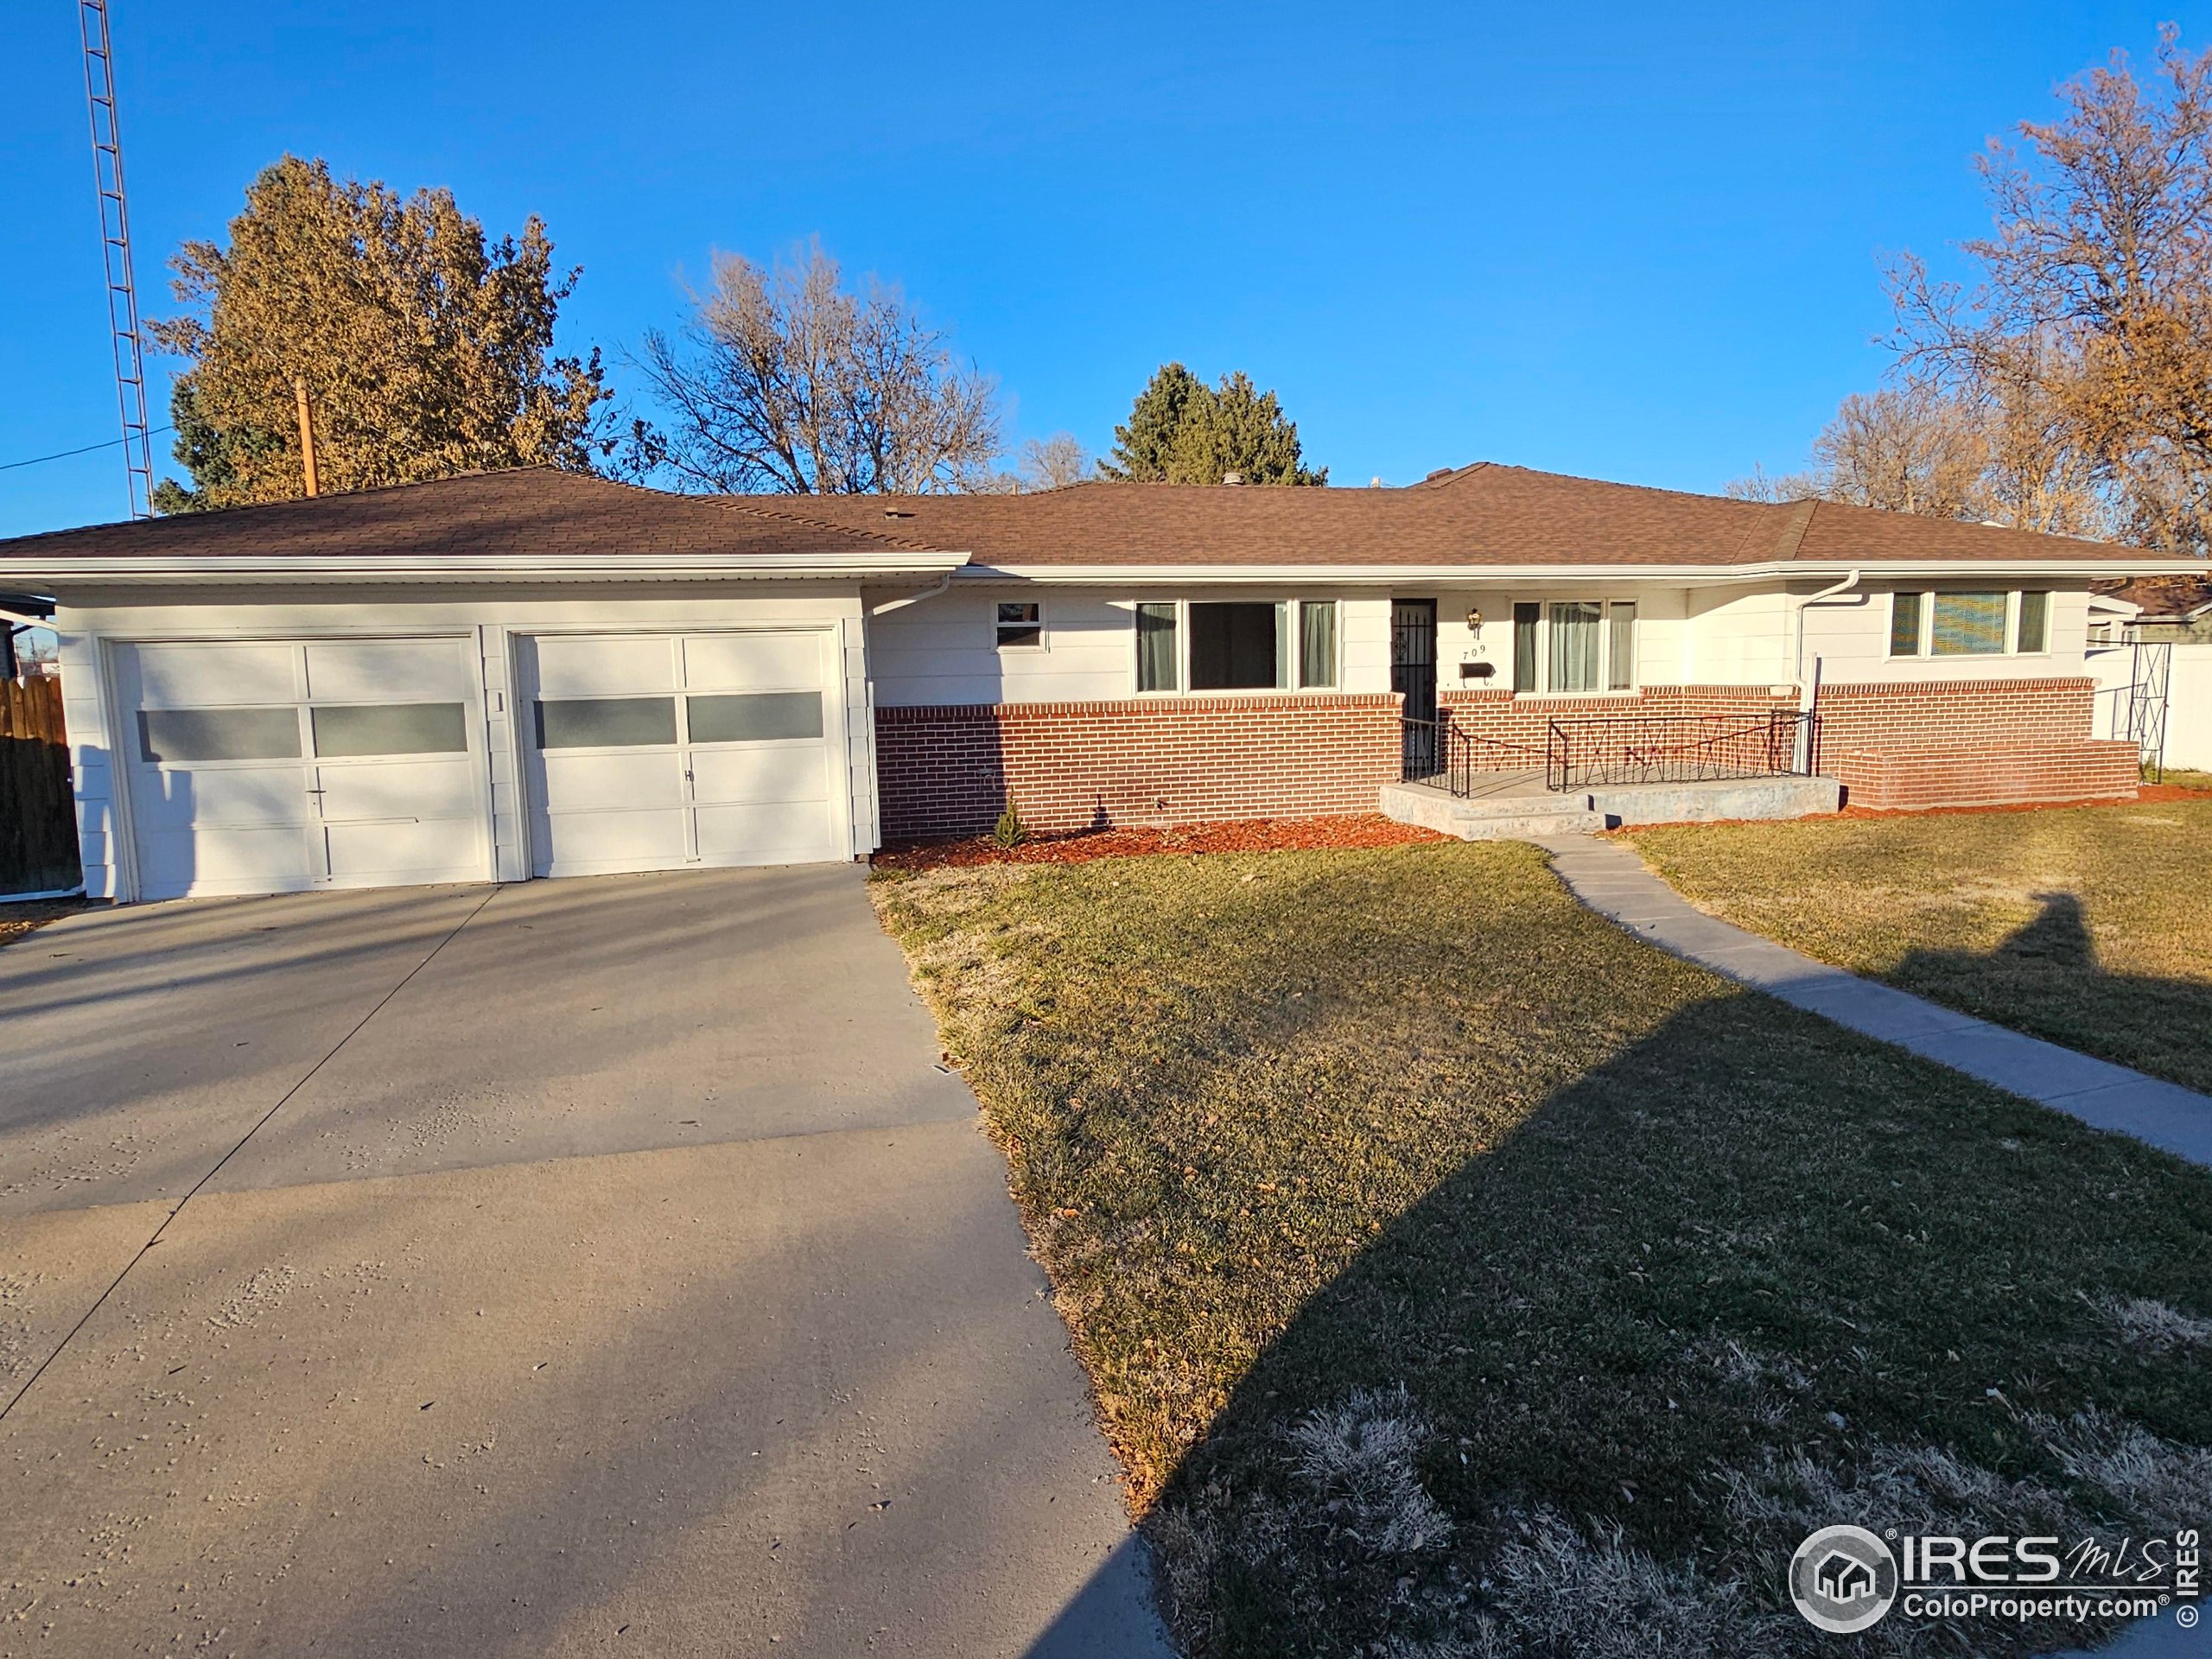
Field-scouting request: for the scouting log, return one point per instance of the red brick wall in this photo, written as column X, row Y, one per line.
column 948, row 770
column 2013, row 713
column 1970, row 743
column 1976, row 775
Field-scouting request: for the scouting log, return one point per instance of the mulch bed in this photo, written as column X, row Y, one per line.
column 1079, row 846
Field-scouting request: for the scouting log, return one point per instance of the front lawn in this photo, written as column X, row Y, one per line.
column 2088, row 927
column 1457, row 1275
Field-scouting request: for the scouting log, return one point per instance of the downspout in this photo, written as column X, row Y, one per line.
column 1808, row 686
column 1807, row 690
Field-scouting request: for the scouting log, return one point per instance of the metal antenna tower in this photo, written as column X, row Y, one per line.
column 114, row 251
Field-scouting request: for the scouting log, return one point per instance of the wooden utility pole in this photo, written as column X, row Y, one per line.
column 306, row 430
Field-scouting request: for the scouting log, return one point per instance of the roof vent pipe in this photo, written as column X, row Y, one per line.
column 1232, row 478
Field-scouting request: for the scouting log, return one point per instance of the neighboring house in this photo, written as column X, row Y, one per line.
column 533, row 673
column 2164, row 607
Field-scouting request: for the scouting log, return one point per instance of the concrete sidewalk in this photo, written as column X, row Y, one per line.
column 1613, row 881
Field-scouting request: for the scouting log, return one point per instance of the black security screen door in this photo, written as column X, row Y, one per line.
column 1413, row 676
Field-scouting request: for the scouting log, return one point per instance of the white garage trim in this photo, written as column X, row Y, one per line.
column 103, row 730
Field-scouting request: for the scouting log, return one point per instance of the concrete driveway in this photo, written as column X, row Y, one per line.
column 590, row 1267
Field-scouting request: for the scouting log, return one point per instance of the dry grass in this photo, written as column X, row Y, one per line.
column 2088, row 927
column 1458, row 1276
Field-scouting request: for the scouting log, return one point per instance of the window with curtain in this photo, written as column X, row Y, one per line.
column 1156, row 666
column 1239, row 646
column 1620, row 646
column 1527, row 620
column 1904, row 623
column 1574, row 645
column 1967, row 625
column 1316, row 642
column 2035, row 622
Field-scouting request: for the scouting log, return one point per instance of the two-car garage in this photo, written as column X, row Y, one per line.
column 282, row 765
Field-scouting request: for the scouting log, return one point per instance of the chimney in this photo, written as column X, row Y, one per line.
column 1232, row 478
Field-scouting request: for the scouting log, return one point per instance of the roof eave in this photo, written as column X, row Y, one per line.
column 353, row 571
column 1688, row 574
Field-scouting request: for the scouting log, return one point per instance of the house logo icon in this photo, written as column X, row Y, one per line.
column 1843, row 1579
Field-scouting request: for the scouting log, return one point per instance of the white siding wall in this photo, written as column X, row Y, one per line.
column 1850, row 636
column 945, row 650
column 496, row 615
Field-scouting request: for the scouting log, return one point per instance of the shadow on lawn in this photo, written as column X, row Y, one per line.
column 1751, row 1238
column 2046, row 979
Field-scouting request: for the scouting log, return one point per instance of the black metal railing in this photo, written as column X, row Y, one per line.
column 1439, row 753
column 1679, row 748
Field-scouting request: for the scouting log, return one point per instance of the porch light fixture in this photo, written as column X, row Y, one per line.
column 1475, row 621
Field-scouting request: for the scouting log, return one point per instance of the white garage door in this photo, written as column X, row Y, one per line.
column 271, row 766
column 653, row 752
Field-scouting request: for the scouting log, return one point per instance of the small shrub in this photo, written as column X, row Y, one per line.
column 1010, row 830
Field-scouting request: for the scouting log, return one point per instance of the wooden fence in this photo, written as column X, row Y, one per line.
column 38, row 819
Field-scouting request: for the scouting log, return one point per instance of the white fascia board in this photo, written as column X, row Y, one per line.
column 347, row 570
column 1394, row 575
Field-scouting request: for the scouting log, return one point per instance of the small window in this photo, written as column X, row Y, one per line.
column 1021, row 627
column 1620, row 646
column 1574, row 645
column 1156, row 648
column 179, row 736
column 1239, row 646
column 606, row 722
column 390, row 729
column 1967, row 625
column 1905, row 611
column 1317, row 643
column 1527, row 620
column 754, row 717
column 2035, row 622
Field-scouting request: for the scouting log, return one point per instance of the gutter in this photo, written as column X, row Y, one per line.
column 1704, row 573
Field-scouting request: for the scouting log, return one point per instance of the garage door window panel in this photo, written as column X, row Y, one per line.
column 195, row 736
column 369, row 729
column 755, row 717
column 606, row 722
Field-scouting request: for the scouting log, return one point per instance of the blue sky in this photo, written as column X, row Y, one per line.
column 1607, row 240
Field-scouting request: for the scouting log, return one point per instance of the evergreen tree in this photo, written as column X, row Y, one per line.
column 1144, row 448
column 1182, row 431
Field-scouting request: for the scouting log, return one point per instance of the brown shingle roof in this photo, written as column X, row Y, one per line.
column 2162, row 597
column 526, row 509
column 1484, row 514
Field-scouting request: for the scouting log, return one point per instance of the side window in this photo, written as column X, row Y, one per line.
column 1021, row 625
column 2035, row 624
column 1905, row 612
column 1317, row 643
column 1157, row 653
column 1527, row 622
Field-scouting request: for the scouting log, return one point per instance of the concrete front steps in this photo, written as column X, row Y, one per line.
column 1519, row 808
